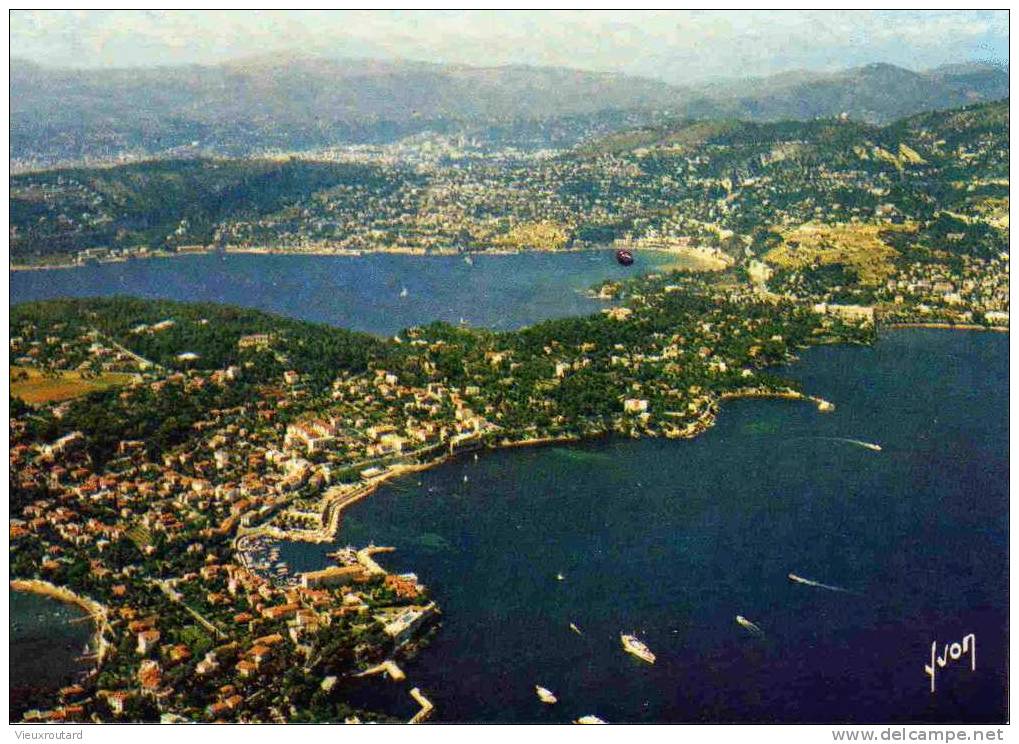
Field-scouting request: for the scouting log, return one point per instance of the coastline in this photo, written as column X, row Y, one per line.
column 948, row 326
column 706, row 262
column 97, row 613
column 333, row 506
column 786, row 394
column 774, row 419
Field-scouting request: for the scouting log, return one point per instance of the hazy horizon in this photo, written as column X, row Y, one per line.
column 678, row 47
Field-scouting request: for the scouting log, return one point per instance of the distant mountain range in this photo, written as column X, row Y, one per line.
column 299, row 103
column 876, row 93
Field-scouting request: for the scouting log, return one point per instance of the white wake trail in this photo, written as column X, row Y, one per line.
column 809, row 582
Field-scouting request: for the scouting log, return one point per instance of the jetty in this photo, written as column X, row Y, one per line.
column 426, row 707
column 364, row 557
column 388, row 667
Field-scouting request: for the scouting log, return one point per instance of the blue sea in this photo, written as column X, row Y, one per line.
column 377, row 293
column 673, row 539
column 47, row 640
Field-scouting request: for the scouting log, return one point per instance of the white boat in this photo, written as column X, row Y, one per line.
column 403, row 292
column 545, row 695
column 633, row 645
column 575, row 629
column 560, row 577
column 589, row 719
column 752, row 627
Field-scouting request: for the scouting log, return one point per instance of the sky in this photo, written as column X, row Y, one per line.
column 677, row 46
